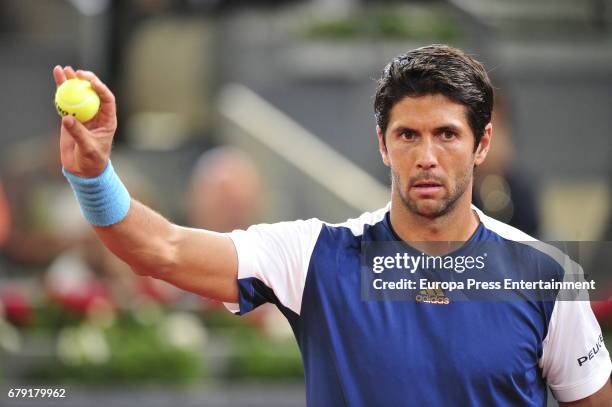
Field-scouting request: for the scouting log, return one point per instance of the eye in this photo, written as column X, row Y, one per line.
column 408, row 135
column 448, row 135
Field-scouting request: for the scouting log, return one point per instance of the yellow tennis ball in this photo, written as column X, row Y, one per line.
column 77, row 98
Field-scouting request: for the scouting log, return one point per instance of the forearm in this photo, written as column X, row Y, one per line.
column 198, row 261
column 144, row 239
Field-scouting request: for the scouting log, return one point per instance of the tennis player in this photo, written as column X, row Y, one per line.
column 433, row 112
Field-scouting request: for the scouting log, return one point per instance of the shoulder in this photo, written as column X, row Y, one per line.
column 356, row 226
column 502, row 229
column 529, row 245
column 304, row 233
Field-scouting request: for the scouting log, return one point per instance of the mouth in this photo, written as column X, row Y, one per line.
column 426, row 187
column 426, row 184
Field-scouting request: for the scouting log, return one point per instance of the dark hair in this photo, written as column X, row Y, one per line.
column 436, row 69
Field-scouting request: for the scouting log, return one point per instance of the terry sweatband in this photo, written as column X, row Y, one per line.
column 104, row 200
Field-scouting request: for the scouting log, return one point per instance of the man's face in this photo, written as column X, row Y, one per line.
column 429, row 147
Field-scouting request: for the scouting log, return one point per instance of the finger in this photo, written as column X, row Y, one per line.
column 58, row 75
column 77, row 131
column 88, row 75
column 107, row 99
column 70, row 74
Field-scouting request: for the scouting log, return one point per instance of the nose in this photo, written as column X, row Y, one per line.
column 426, row 157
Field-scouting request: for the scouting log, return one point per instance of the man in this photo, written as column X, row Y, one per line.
column 225, row 190
column 433, row 110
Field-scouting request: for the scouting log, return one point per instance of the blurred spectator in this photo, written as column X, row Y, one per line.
column 225, row 191
column 500, row 189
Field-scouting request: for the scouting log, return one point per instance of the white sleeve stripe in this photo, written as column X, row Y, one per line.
column 584, row 388
column 234, row 307
column 246, row 263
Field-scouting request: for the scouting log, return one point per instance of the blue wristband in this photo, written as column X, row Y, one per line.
column 104, row 200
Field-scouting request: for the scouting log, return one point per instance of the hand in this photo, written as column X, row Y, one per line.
column 85, row 147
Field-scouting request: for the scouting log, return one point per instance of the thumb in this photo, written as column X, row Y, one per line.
column 75, row 129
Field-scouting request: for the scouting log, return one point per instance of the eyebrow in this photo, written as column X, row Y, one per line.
column 448, row 127
column 439, row 129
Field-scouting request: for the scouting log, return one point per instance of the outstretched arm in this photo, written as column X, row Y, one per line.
column 199, row 261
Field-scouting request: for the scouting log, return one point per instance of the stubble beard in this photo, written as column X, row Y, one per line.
column 445, row 204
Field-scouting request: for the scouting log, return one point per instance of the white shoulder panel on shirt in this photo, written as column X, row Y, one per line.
column 368, row 218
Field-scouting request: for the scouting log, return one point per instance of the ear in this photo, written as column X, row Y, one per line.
column 484, row 145
column 382, row 147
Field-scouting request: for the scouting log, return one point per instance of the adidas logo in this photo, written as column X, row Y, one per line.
column 433, row 296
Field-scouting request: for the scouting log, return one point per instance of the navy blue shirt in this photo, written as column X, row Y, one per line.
column 434, row 351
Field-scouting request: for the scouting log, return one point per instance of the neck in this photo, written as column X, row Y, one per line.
column 457, row 225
